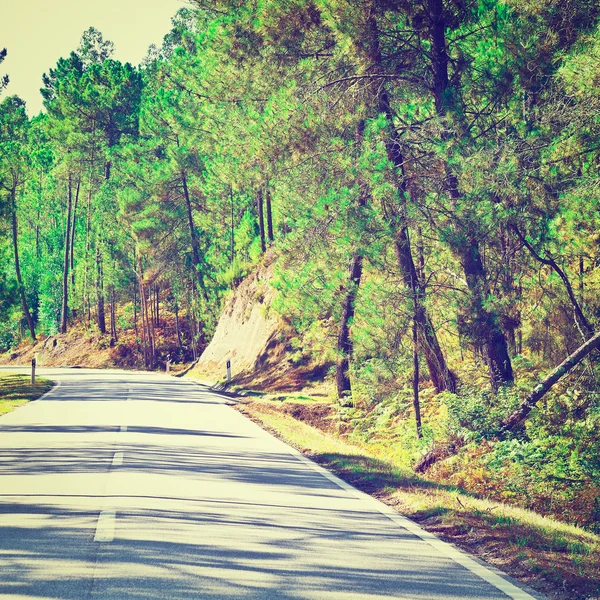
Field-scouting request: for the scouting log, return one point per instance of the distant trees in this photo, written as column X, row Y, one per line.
column 92, row 102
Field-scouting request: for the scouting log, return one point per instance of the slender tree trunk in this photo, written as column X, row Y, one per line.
column 39, row 213
column 151, row 336
column 86, row 273
column 15, row 236
column 269, row 217
column 144, row 325
column 100, row 292
column 88, row 230
column 261, row 221
column 177, row 328
column 147, row 325
column 544, row 386
column 232, row 229
column 135, row 318
column 192, row 323
column 581, row 320
column 194, row 239
column 345, row 346
column 157, row 301
column 65, row 300
column 113, row 315
column 72, row 244
column 416, row 401
column 510, row 315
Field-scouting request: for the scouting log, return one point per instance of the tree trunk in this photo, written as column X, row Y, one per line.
column 441, row 376
column 581, row 278
column 147, row 328
column 194, row 240
column 15, row 236
column 135, row 319
column 580, row 319
column 344, row 342
column 416, row 401
column 65, row 300
column 157, row 302
column 232, row 229
column 100, row 292
column 177, row 328
column 269, row 217
column 261, row 221
column 113, row 315
column 86, row 271
column 72, row 244
column 88, row 229
column 486, row 328
column 569, row 363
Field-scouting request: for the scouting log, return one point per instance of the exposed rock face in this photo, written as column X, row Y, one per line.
column 245, row 329
column 256, row 340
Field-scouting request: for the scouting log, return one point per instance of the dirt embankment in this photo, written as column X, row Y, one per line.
column 78, row 347
column 256, row 340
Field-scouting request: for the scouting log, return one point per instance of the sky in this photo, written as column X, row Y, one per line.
column 36, row 33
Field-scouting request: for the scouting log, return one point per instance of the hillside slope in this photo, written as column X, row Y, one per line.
column 256, row 340
column 78, row 347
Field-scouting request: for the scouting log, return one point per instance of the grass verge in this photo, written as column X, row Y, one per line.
column 16, row 390
column 558, row 559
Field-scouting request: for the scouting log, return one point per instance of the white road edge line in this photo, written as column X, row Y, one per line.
column 506, row 587
column 117, row 459
column 105, row 529
column 57, row 384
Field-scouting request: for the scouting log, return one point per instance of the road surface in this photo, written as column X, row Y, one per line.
column 120, row 486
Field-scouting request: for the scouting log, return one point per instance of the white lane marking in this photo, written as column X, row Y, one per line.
column 117, row 459
column 511, row 590
column 123, row 428
column 105, row 529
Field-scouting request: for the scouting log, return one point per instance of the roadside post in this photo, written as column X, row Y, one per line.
column 168, row 366
column 228, row 370
column 33, row 363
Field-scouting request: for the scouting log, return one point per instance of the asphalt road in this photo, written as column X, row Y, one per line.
column 120, row 485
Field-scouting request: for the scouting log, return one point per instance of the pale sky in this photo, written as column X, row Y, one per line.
column 36, row 33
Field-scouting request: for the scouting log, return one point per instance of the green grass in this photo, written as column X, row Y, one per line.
column 16, row 390
column 539, row 550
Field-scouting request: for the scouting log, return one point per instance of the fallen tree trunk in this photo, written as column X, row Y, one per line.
column 569, row 363
column 439, row 452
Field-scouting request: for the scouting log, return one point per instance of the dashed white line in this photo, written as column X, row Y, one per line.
column 117, row 459
column 123, row 428
column 105, row 529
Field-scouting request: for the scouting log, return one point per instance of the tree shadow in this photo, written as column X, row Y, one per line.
column 223, row 551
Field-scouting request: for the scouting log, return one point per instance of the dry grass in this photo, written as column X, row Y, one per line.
column 559, row 559
column 16, row 390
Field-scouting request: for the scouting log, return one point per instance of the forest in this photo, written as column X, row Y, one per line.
column 423, row 174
